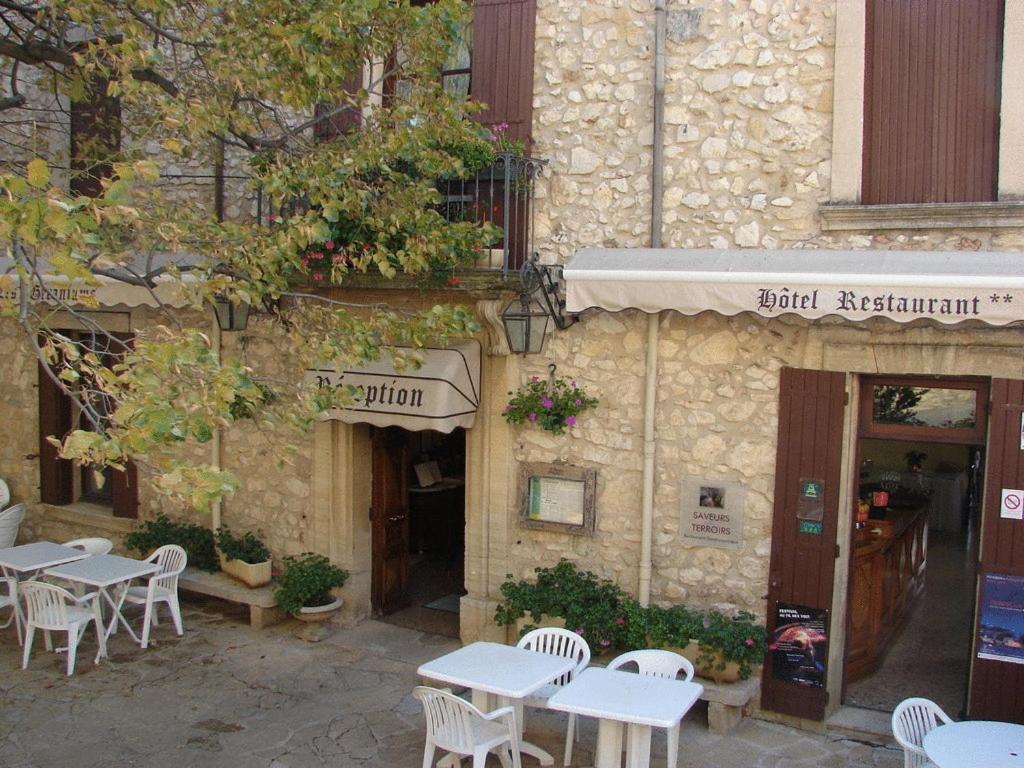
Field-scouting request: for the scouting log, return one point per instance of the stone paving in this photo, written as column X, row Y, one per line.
column 225, row 695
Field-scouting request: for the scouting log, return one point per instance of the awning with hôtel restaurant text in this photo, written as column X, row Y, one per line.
column 945, row 286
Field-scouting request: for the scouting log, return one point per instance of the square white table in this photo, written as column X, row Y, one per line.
column 504, row 671
column 29, row 558
column 617, row 698
column 103, row 572
column 25, row 560
column 976, row 744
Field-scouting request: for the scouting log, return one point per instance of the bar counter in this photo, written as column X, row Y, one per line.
column 889, row 559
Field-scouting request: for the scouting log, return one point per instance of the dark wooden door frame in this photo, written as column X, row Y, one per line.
column 865, row 430
column 812, row 410
column 997, row 688
column 389, row 521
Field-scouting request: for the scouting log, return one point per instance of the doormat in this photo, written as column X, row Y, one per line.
column 448, row 603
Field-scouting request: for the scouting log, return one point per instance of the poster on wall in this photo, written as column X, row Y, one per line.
column 1001, row 618
column 799, row 645
column 712, row 513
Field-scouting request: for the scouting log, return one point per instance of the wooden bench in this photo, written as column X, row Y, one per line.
column 728, row 701
column 263, row 610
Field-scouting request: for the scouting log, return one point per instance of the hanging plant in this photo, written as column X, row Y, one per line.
column 552, row 405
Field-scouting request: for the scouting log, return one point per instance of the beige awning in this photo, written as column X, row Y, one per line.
column 442, row 394
column 105, row 293
column 100, row 290
column 947, row 286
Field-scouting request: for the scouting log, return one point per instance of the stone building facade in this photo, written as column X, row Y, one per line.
column 762, row 150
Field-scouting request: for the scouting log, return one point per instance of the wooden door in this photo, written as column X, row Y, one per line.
column 997, row 687
column 808, row 461
column 390, row 519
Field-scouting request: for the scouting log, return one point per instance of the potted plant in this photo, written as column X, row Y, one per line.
column 723, row 648
column 245, row 557
column 304, row 589
column 552, row 405
column 197, row 541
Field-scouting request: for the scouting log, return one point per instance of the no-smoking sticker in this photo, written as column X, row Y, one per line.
column 1013, row 504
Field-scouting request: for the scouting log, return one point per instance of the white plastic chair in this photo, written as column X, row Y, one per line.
column 656, row 662
column 162, row 588
column 53, row 609
column 5, row 494
column 557, row 642
column 10, row 521
column 459, row 728
column 94, row 545
column 911, row 720
column 10, row 600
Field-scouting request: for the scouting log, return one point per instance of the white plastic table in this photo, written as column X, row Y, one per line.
column 29, row 558
column 504, row 671
column 26, row 560
column 103, row 572
column 619, row 698
column 976, row 744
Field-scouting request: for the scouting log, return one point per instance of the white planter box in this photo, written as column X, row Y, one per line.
column 250, row 574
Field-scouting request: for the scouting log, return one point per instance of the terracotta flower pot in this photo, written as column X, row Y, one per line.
column 319, row 612
column 250, row 574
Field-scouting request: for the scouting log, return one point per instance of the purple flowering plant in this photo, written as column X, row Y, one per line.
column 552, row 405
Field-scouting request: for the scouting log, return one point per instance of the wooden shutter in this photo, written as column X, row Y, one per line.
column 931, row 100
column 95, row 127
column 502, row 69
column 997, row 687
column 328, row 128
column 56, row 483
column 810, row 444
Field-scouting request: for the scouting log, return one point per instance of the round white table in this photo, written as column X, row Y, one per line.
column 976, row 744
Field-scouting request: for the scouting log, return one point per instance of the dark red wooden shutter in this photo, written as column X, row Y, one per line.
column 329, row 127
column 56, row 484
column 502, row 70
column 124, row 486
column 931, row 100
column 997, row 687
column 810, row 444
column 95, row 127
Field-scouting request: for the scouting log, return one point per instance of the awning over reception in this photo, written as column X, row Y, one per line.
column 947, row 286
column 442, row 394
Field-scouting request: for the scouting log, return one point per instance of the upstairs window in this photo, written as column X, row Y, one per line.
column 931, row 101
column 95, row 138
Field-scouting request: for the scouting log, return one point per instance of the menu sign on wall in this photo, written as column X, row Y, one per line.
column 712, row 513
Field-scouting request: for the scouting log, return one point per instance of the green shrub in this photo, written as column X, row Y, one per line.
column 248, row 548
column 196, row 540
column 609, row 619
column 591, row 607
column 307, row 581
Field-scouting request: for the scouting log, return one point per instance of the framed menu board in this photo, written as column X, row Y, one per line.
column 557, row 497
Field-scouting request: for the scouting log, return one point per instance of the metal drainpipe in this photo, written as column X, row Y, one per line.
column 215, row 441
column 651, row 366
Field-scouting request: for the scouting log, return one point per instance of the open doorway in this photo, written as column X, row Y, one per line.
column 913, row 569
column 418, row 511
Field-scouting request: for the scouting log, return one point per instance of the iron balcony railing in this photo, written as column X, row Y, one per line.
column 503, row 194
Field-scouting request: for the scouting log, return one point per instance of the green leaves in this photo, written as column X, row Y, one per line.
column 38, row 173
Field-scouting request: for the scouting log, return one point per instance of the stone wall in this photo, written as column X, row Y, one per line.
column 274, row 467
column 748, row 129
column 748, row 153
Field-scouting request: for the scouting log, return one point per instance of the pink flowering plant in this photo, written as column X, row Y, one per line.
column 552, row 405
